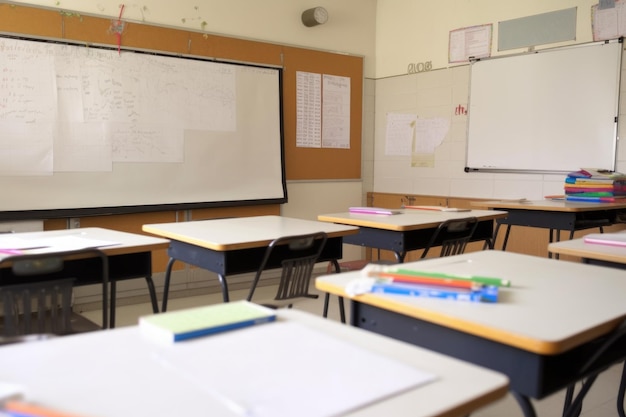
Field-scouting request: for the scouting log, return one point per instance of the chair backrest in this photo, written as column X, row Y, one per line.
column 452, row 235
column 297, row 256
column 36, row 292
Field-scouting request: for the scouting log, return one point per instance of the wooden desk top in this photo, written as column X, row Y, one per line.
column 242, row 232
column 126, row 243
column 408, row 219
column 578, row 247
column 548, row 205
column 124, row 371
column 551, row 306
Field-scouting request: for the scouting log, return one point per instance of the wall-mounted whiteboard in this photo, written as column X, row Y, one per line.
column 86, row 130
column 549, row 111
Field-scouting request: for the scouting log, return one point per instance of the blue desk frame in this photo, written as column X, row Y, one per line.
column 531, row 375
column 402, row 242
column 238, row 261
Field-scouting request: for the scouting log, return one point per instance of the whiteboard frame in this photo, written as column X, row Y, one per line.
column 100, row 209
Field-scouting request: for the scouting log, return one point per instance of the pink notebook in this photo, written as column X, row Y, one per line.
column 611, row 239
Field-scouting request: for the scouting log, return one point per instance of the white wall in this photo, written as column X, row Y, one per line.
column 410, row 31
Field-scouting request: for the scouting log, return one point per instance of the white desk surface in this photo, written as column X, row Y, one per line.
column 551, row 306
column 578, row 247
column 242, row 232
column 408, row 219
column 548, row 205
column 118, row 372
column 125, row 242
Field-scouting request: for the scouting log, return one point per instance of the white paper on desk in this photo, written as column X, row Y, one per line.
column 13, row 242
column 67, row 243
column 294, row 371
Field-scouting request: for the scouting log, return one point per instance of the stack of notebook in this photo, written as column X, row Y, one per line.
column 595, row 186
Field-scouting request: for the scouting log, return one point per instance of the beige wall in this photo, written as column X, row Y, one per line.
column 350, row 27
column 411, row 31
column 417, row 31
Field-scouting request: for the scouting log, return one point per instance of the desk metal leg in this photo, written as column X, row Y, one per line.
column 112, row 302
column 620, row 393
column 551, row 239
column 506, row 235
column 573, row 409
column 569, row 396
column 342, row 309
column 525, row 404
column 153, row 296
column 224, row 286
column 166, row 288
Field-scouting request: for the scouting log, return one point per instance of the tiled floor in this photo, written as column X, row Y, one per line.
column 600, row 402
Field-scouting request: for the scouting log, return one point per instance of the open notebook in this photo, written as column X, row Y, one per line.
column 294, row 371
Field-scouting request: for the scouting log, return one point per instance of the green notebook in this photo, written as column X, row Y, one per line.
column 176, row 326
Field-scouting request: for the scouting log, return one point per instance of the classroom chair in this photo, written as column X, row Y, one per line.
column 298, row 255
column 452, row 236
column 36, row 292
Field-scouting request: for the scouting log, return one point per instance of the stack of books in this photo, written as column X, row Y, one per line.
column 435, row 285
column 594, row 185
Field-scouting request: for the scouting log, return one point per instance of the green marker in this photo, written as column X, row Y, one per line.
column 474, row 278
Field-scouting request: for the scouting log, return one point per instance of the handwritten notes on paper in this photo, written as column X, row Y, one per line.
column 429, row 134
column 336, row 112
column 408, row 135
column 399, row 134
column 91, row 107
column 323, row 111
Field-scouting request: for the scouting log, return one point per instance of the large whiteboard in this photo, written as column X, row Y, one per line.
column 548, row 111
column 97, row 130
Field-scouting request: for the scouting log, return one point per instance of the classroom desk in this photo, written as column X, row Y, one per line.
column 409, row 230
column 553, row 215
column 126, row 374
column 538, row 334
column 237, row 245
column 130, row 258
column 591, row 253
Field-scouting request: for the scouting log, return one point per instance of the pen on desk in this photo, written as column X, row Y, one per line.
column 473, row 278
column 427, row 280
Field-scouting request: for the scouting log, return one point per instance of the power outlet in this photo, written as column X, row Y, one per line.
column 74, row 223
